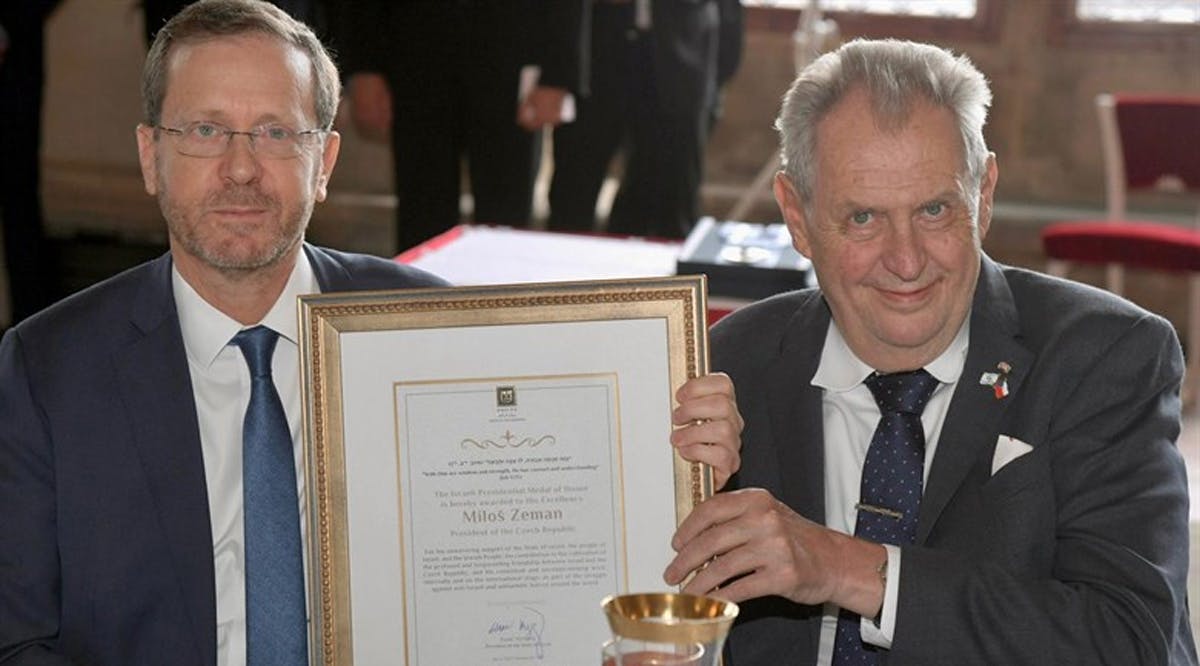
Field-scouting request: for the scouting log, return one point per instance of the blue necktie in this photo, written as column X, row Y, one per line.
column 890, row 495
column 276, row 625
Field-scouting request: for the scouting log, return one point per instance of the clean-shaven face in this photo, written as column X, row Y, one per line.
column 891, row 234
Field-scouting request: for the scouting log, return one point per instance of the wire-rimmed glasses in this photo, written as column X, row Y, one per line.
column 205, row 138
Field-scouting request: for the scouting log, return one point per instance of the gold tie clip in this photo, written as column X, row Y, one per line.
column 863, row 506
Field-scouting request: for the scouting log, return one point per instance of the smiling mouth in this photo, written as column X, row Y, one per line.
column 907, row 292
column 907, row 295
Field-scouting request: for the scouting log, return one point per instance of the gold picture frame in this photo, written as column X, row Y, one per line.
column 411, row 399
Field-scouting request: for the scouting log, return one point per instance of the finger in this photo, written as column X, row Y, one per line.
column 752, row 586
column 723, row 542
column 712, row 511
column 723, row 433
column 710, row 384
column 724, row 571
column 724, row 463
column 718, row 509
column 763, row 561
column 703, row 584
column 713, row 443
column 707, row 398
column 722, row 458
column 692, row 559
column 704, row 408
column 713, row 528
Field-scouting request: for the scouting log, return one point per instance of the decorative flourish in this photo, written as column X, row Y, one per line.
column 508, row 441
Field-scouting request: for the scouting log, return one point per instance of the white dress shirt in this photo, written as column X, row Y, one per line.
column 221, row 385
column 850, row 415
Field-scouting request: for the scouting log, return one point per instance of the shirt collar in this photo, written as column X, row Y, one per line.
column 206, row 330
column 841, row 370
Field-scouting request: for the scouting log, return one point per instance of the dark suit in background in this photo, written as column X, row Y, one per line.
column 654, row 92
column 1074, row 553
column 453, row 69
column 32, row 278
column 106, row 548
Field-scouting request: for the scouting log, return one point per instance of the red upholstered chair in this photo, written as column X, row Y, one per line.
column 1150, row 143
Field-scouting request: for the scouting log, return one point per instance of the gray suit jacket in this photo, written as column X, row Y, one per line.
column 1074, row 553
column 106, row 553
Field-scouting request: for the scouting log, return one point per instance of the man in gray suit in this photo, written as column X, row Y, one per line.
column 1048, row 509
column 128, row 412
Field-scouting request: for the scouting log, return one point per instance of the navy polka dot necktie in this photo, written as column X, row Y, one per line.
column 890, row 494
column 276, row 622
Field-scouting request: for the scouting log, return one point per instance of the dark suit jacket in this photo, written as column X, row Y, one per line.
column 1075, row 553
column 105, row 541
column 418, row 44
column 697, row 47
column 453, row 69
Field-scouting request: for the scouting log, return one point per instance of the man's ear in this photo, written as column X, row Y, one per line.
column 146, row 157
column 792, row 207
column 333, row 143
column 987, row 190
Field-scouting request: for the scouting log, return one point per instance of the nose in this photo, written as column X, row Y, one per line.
column 905, row 254
column 239, row 164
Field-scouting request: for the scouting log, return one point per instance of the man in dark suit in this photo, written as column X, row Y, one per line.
column 656, row 67
column 440, row 80
column 1045, row 520
column 128, row 415
column 121, row 406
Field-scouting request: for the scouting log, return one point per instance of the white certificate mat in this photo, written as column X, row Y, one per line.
column 510, row 492
column 489, row 463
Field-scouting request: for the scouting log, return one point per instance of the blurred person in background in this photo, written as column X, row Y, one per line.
column 655, row 72
column 32, row 276
column 439, row 80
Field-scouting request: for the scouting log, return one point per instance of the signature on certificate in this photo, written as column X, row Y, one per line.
column 521, row 626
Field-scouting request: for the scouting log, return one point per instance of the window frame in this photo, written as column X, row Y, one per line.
column 1066, row 29
column 984, row 26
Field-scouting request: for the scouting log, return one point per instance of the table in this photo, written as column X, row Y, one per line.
column 478, row 254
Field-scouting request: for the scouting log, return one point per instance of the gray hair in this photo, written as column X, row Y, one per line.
column 207, row 19
column 895, row 74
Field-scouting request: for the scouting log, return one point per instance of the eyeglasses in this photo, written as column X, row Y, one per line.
column 208, row 139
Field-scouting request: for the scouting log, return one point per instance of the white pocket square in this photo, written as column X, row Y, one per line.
column 1008, row 449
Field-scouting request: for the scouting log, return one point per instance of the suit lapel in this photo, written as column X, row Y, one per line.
column 795, row 410
column 155, row 386
column 331, row 275
column 973, row 420
column 797, row 428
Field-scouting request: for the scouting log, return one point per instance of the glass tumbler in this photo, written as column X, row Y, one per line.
column 666, row 629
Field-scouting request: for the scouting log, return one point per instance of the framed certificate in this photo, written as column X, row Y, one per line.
column 486, row 464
